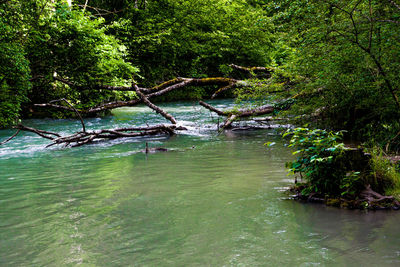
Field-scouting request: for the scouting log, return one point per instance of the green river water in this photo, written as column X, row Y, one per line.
column 212, row 200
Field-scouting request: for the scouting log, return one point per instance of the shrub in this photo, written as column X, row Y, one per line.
column 332, row 170
column 323, row 163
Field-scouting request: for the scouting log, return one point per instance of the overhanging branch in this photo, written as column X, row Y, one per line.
column 232, row 115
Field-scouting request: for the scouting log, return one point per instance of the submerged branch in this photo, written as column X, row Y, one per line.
column 86, row 137
column 10, row 138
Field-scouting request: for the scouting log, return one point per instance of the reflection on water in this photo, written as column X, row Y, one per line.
column 217, row 204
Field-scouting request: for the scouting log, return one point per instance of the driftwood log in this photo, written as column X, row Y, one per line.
column 85, row 137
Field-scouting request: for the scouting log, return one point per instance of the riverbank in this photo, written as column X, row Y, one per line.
column 337, row 175
column 380, row 202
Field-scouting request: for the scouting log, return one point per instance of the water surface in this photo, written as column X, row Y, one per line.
column 212, row 200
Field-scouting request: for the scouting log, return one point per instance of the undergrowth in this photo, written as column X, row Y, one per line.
column 331, row 170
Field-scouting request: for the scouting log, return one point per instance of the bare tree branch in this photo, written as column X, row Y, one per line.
column 251, row 69
column 10, row 138
column 229, row 121
column 213, row 109
column 152, row 106
column 76, row 111
column 100, row 11
column 395, row 4
column 222, row 89
column 390, row 21
column 84, row 7
column 99, row 86
column 371, row 29
column 241, row 113
column 54, row 106
column 44, row 134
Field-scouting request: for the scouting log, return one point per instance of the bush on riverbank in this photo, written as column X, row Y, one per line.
column 337, row 175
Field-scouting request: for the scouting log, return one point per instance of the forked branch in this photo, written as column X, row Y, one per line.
column 152, row 106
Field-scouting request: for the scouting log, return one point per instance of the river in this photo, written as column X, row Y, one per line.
column 211, row 200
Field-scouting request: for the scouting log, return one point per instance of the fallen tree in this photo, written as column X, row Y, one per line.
column 159, row 90
column 142, row 96
column 241, row 113
column 224, row 84
column 85, row 137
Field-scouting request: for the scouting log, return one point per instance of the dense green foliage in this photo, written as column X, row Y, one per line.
column 193, row 38
column 14, row 67
column 348, row 50
column 341, row 57
column 41, row 40
column 320, row 162
column 332, row 170
column 190, row 38
column 71, row 45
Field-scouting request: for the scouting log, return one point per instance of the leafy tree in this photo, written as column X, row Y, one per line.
column 14, row 67
column 346, row 51
column 14, row 81
column 76, row 48
column 193, row 38
column 40, row 40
